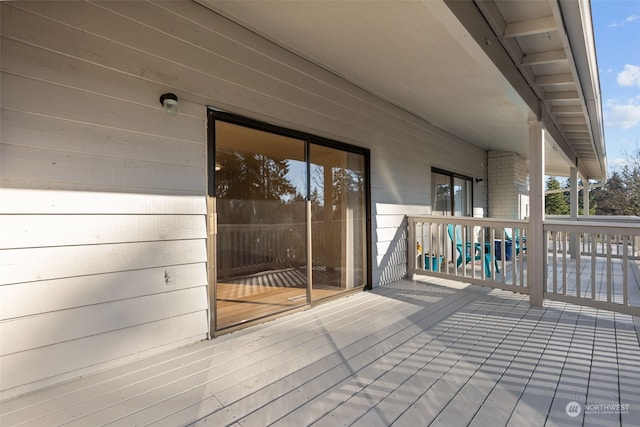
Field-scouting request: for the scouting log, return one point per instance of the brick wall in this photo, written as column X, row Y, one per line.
column 508, row 184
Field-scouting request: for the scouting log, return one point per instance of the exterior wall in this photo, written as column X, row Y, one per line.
column 104, row 194
column 508, row 190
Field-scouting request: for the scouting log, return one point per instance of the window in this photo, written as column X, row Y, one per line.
column 451, row 193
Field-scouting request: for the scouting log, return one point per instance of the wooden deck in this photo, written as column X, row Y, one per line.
column 407, row 354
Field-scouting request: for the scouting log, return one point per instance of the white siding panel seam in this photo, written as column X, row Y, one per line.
column 401, row 127
column 20, row 231
column 36, row 365
column 35, row 264
column 28, row 201
column 128, row 270
column 32, row 298
column 368, row 101
column 38, row 131
column 48, row 99
column 103, row 94
column 182, row 64
column 61, row 326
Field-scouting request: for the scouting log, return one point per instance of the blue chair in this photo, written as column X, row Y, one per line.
column 475, row 254
column 517, row 242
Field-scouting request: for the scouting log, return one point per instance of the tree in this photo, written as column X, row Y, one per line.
column 621, row 193
column 631, row 179
column 555, row 203
column 611, row 199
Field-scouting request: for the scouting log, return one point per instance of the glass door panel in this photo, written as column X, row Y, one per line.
column 442, row 194
column 261, row 188
column 462, row 197
column 338, row 220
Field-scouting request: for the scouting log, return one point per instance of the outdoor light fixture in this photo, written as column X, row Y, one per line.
column 170, row 103
column 478, row 180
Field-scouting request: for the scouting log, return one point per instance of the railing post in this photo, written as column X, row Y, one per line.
column 585, row 198
column 536, row 248
column 574, row 251
column 411, row 249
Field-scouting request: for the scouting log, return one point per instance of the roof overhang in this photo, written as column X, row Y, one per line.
column 552, row 46
column 475, row 69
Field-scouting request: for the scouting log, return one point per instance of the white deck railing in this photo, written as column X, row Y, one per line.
column 473, row 252
column 594, row 263
column 617, row 220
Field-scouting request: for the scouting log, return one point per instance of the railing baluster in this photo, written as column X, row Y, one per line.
column 523, row 239
column 578, row 269
column 554, row 247
column 594, row 244
column 503, row 252
column 515, row 263
column 411, row 250
column 625, row 270
column 565, row 274
column 609, row 272
column 465, row 239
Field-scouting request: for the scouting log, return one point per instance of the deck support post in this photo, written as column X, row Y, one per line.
column 536, row 252
column 585, row 197
column 573, row 211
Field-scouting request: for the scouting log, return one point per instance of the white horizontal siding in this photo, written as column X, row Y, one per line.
column 54, row 230
column 31, row 264
column 66, row 359
column 26, row 299
column 106, row 220
column 76, row 281
column 33, row 202
column 28, row 333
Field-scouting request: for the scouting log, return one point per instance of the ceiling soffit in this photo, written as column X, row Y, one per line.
column 534, row 36
column 479, row 88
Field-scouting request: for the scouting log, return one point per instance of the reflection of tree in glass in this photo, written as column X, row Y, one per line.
column 255, row 187
column 347, row 186
column 443, row 198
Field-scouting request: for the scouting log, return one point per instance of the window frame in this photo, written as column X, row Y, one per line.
column 451, row 177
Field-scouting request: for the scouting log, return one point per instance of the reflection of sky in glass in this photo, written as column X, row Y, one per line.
column 297, row 176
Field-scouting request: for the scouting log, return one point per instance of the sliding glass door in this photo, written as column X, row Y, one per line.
column 283, row 202
column 338, row 222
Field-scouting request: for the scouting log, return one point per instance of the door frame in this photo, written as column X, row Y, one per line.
column 214, row 115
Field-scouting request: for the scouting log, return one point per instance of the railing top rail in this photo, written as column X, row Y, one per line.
column 465, row 220
column 596, row 227
column 597, row 218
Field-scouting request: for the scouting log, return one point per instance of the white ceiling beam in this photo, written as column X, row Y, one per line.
column 548, row 57
column 575, row 128
column 559, row 96
column 532, row 26
column 578, row 135
column 567, row 110
column 554, row 79
column 571, row 120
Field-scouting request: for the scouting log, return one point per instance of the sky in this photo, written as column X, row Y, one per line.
column 616, row 27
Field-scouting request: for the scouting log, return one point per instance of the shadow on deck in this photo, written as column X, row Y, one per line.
column 408, row 353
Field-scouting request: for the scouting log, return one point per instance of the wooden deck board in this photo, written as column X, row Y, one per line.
column 381, row 380
column 439, row 384
column 409, row 352
column 629, row 374
column 536, row 399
